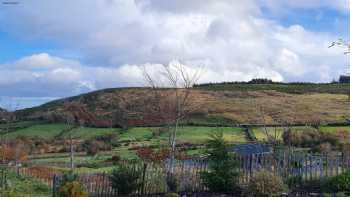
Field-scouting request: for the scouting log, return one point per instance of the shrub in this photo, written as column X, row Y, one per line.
column 93, row 147
column 172, row 195
column 345, row 148
column 340, row 183
column 125, row 179
column 223, row 174
column 9, row 193
column 69, row 177
column 114, row 159
column 111, row 138
column 72, row 189
column 339, row 194
column 265, row 184
column 172, row 182
column 294, row 181
column 318, row 140
column 325, row 147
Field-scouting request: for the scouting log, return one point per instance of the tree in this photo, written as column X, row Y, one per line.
column 223, row 171
column 171, row 97
column 70, row 115
column 346, row 45
column 341, row 43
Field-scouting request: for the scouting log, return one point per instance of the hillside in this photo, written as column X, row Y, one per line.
column 219, row 104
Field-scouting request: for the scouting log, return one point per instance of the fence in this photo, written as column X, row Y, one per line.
column 40, row 173
column 188, row 172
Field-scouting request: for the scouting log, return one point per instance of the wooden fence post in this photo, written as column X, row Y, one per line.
column 54, row 186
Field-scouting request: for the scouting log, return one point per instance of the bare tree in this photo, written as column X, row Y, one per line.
column 273, row 136
column 70, row 115
column 171, row 97
column 346, row 45
column 341, row 43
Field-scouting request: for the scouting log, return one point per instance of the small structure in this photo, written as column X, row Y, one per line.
column 251, row 149
column 344, row 79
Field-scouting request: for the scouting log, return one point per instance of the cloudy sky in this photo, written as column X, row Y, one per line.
column 57, row 48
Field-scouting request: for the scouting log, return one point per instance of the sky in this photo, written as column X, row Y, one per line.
column 51, row 49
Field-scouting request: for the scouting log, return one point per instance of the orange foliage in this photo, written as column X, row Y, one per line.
column 13, row 152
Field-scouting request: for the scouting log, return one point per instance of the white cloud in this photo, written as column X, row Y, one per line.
column 283, row 5
column 231, row 38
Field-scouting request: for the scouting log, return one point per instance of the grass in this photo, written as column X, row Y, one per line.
column 90, row 133
column 46, row 131
column 334, row 129
column 278, row 131
column 137, row 134
column 201, row 134
column 260, row 133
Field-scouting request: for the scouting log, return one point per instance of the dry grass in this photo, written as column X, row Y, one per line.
column 239, row 106
column 276, row 107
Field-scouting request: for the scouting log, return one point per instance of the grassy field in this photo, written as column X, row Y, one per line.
column 46, row 131
column 137, row 134
column 260, row 133
column 140, row 137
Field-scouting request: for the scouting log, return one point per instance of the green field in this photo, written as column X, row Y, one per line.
column 46, row 131
column 154, row 137
column 147, row 135
column 137, row 134
column 260, row 133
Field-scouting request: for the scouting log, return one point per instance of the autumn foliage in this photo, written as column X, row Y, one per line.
column 14, row 151
column 151, row 155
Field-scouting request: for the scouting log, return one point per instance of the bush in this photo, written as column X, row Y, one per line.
column 172, row 182
column 340, row 194
column 294, row 182
column 125, row 179
column 70, row 187
column 318, row 140
column 172, row 195
column 9, row 193
column 73, row 189
column 223, row 172
column 325, row 148
column 340, row 183
column 265, row 184
column 111, row 138
column 93, row 147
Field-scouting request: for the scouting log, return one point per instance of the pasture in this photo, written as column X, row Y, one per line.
column 192, row 138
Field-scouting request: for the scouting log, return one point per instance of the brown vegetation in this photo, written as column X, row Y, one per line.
column 239, row 107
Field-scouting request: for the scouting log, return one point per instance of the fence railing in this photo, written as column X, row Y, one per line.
column 188, row 172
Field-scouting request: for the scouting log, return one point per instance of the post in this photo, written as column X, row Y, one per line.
column 54, row 186
column 71, row 152
column 143, row 179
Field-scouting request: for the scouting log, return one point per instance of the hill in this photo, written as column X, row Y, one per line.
column 220, row 104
